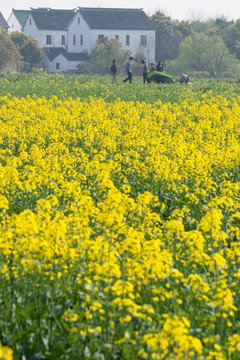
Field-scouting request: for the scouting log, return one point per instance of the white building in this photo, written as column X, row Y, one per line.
column 74, row 33
column 131, row 27
column 58, row 59
column 17, row 20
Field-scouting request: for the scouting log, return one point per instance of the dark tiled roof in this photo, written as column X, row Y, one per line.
column 3, row 22
column 21, row 15
column 52, row 53
column 125, row 19
column 48, row 19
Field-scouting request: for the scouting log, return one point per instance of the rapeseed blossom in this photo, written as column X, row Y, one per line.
column 119, row 227
column 5, row 353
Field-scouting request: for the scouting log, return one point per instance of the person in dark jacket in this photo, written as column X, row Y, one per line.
column 114, row 70
column 145, row 70
column 160, row 66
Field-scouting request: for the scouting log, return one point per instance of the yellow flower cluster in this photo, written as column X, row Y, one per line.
column 174, row 335
column 134, row 208
column 5, row 353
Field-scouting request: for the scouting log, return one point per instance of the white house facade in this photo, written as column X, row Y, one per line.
column 130, row 26
column 77, row 32
column 59, row 60
column 79, row 35
column 134, row 40
column 49, row 27
column 17, row 19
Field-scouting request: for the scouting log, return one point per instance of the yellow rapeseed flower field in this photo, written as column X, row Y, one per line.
column 119, row 229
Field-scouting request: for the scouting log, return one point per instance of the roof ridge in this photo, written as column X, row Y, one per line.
column 14, row 10
column 50, row 10
column 101, row 8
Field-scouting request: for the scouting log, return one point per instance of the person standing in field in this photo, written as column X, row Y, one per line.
column 152, row 67
column 145, row 70
column 160, row 66
column 114, row 70
column 129, row 70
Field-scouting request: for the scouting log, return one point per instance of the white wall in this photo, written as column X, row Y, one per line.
column 30, row 28
column 13, row 23
column 134, row 37
column 79, row 27
column 51, row 65
column 64, row 64
column 90, row 37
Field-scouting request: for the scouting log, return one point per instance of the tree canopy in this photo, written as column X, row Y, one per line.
column 27, row 46
column 200, row 53
column 169, row 34
column 233, row 38
column 10, row 58
column 104, row 53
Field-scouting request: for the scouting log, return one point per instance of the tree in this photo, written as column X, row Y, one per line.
column 205, row 54
column 199, row 25
column 223, row 23
column 233, row 39
column 10, row 58
column 103, row 54
column 211, row 27
column 102, row 39
column 169, row 35
column 28, row 47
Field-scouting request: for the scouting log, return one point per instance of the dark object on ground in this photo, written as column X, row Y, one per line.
column 184, row 79
column 159, row 77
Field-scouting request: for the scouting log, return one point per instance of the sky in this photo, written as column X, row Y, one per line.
column 176, row 9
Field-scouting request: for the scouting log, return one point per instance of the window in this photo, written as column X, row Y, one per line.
column 127, row 40
column 81, row 39
column 100, row 37
column 63, row 40
column 57, row 66
column 79, row 20
column 143, row 40
column 30, row 21
column 74, row 39
column 117, row 37
column 48, row 39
